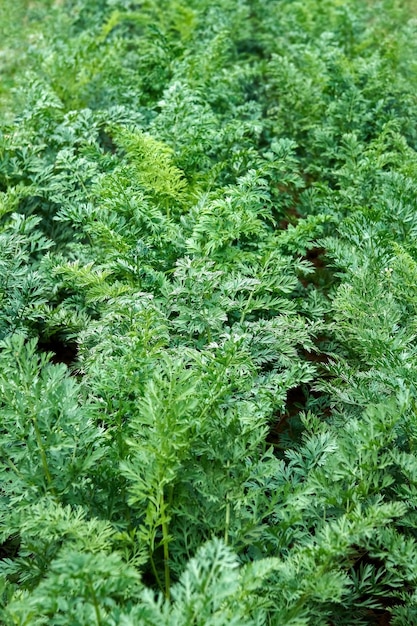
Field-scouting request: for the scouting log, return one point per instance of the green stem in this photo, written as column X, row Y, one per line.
column 165, row 542
column 227, row 518
column 227, row 523
column 245, row 310
column 155, row 572
column 95, row 603
column 42, row 453
column 170, row 495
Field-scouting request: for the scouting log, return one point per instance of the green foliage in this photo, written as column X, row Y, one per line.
column 208, row 313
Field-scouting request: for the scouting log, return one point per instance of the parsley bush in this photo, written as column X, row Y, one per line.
column 208, row 313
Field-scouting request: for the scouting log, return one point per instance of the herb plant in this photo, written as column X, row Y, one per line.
column 208, row 313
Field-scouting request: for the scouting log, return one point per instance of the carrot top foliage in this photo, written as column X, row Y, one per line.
column 208, row 313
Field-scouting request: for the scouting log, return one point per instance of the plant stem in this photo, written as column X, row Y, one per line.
column 95, row 603
column 165, row 540
column 245, row 310
column 42, row 452
column 227, row 518
column 227, row 523
column 155, row 572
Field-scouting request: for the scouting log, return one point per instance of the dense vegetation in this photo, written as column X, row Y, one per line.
column 208, row 312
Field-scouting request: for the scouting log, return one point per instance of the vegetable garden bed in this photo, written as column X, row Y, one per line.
column 208, row 312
